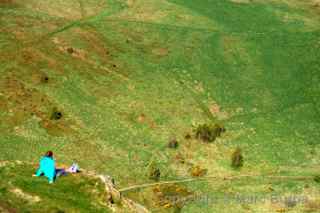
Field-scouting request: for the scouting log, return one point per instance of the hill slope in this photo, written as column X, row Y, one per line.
column 128, row 76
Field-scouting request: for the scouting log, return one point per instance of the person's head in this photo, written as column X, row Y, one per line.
column 49, row 154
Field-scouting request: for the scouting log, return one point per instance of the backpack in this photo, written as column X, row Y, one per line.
column 74, row 168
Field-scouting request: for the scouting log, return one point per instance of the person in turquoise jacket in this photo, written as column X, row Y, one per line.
column 47, row 167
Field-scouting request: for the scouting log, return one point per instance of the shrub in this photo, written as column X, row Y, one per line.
column 187, row 136
column 56, row 115
column 173, row 144
column 317, row 178
column 70, row 50
column 237, row 159
column 154, row 174
column 209, row 133
column 44, row 79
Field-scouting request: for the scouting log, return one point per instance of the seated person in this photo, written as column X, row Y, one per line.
column 47, row 167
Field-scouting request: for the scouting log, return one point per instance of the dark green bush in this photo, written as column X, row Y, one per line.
column 317, row 178
column 237, row 159
column 56, row 114
column 154, row 174
column 209, row 133
column 187, row 136
column 44, row 79
column 173, row 143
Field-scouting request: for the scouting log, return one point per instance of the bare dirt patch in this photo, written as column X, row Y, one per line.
column 216, row 111
column 32, row 57
column 64, row 47
column 160, row 52
column 144, row 119
column 93, row 49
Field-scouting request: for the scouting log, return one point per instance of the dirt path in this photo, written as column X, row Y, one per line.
column 217, row 178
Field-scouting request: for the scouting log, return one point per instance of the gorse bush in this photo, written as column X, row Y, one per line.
column 197, row 171
column 172, row 196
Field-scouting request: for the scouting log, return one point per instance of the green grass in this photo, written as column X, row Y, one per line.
column 143, row 74
column 72, row 194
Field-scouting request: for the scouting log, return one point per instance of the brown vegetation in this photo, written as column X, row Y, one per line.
column 197, row 171
column 171, row 196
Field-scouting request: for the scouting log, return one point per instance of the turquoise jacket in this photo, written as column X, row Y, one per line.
column 47, row 168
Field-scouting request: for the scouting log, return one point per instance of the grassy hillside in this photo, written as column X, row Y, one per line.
column 130, row 75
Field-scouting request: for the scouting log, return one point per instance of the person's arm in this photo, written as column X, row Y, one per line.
column 39, row 170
